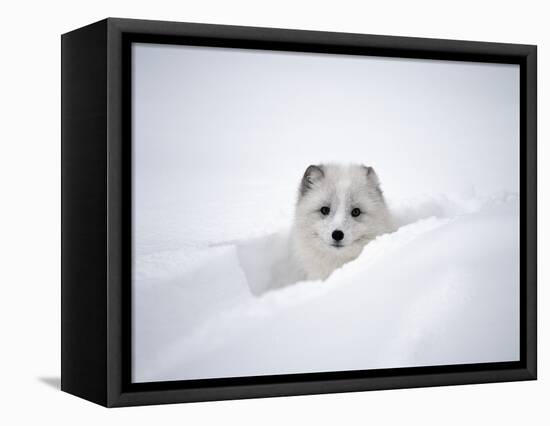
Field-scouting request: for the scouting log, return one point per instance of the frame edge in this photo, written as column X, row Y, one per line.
column 83, row 214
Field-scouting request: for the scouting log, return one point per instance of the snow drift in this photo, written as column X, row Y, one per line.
column 442, row 289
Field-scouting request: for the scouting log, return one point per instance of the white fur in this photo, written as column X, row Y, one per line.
column 341, row 188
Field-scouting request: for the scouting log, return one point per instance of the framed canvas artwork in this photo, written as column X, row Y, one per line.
column 251, row 212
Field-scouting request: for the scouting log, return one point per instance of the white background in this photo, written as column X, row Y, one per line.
column 30, row 172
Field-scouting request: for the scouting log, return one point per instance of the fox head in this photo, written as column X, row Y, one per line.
column 340, row 208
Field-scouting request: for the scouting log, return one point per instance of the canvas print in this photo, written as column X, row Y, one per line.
column 309, row 212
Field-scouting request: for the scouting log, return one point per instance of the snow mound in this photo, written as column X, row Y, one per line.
column 442, row 289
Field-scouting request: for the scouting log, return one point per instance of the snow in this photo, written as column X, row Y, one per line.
column 442, row 289
column 220, row 142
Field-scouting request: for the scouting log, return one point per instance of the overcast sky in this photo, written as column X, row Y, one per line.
column 424, row 125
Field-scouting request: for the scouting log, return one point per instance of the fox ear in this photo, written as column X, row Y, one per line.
column 372, row 176
column 313, row 174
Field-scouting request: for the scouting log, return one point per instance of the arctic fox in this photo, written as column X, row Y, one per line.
column 340, row 209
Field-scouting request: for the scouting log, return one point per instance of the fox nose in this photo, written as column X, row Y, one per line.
column 337, row 235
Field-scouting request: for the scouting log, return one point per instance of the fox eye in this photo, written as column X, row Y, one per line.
column 355, row 212
column 325, row 210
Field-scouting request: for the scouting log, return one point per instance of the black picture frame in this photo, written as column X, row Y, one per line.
column 96, row 212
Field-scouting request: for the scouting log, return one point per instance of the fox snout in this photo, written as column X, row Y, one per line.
column 337, row 235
